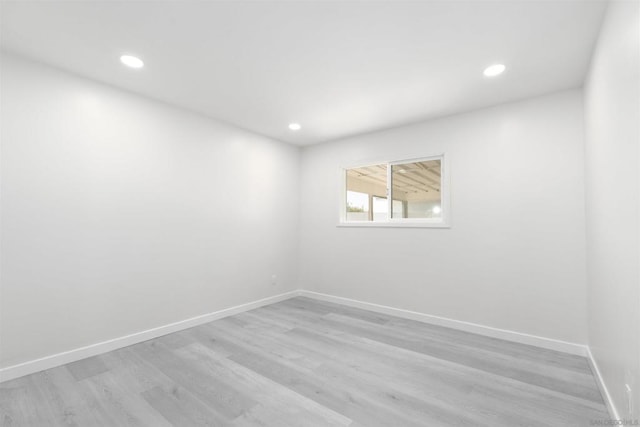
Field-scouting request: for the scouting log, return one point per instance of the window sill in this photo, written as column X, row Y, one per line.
column 388, row 224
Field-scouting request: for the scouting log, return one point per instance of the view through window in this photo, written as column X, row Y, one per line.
column 415, row 190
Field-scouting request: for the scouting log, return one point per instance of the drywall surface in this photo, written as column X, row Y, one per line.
column 120, row 214
column 612, row 118
column 514, row 257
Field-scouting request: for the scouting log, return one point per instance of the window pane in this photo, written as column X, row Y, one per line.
column 380, row 208
column 417, row 187
column 398, row 209
column 365, row 186
column 357, row 206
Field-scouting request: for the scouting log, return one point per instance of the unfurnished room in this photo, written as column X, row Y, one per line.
column 314, row 213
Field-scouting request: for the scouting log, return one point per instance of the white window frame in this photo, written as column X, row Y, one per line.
column 445, row 200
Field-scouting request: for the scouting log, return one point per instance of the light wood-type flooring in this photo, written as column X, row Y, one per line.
column 304, row 362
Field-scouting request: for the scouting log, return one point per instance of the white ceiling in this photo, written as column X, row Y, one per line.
column 338, row 68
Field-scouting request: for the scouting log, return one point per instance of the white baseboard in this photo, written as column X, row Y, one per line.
column 547, row 343
column 52, row 361
column 611, row 407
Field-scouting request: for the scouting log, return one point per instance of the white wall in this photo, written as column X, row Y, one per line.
column 120, row 214
column 515, row 255
column 612, row 116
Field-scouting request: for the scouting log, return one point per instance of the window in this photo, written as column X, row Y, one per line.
column 399, row 193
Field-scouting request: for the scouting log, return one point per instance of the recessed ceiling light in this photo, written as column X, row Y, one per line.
column 494, row 70
column 131, row 61
column 295, row 126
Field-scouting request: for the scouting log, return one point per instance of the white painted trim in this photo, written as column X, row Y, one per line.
column 611, row 407
column 52, row 361
column 390, row 224
column 519, row 337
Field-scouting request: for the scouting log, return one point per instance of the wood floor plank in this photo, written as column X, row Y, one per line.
column 270, row 394
column 108, row 392
column 352, row 403
column 477, row 359
column 428, row 331
column 304, row 362
column 477, row 376
column 86, row 368
column 139, row 376
column 67, row 403
column 222, row 397
column 177, row 410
